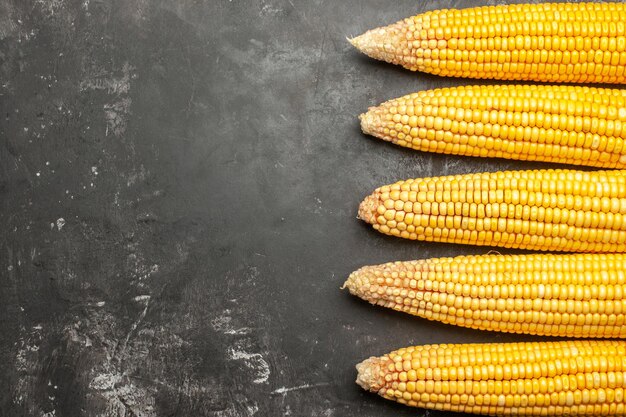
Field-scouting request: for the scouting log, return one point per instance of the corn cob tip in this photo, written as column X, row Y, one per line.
column 369, row 42
column 355, row 283
column 368, row 208
column 355, row 41
column 369, row 374
column 370, row 121
column 380, row 43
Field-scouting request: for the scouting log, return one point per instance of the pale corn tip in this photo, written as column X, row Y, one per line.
column 369, row 121
column 368, row 208
column 369, row 375
column 379, row 43
column 355, row 283
column 359, row 41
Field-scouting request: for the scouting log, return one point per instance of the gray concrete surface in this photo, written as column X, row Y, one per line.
column 179, row 182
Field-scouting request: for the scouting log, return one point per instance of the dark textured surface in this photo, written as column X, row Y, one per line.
column 178, row 186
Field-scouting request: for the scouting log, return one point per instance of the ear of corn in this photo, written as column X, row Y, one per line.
column 557, row 42
column 531, row 379
column 581, row 295
column 561, row 210
column 565, row 124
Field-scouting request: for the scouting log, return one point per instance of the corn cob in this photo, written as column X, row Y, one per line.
column 532, row 379
column 560, row 210
column 558, row 42
column 566, row 124
column 579, row 295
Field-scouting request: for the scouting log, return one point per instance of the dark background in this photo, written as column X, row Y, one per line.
column 178, row 187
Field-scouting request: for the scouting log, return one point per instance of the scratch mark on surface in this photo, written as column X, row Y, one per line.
column 284, row 390
column 319, row 64
column 193, row 83
column 136, row 324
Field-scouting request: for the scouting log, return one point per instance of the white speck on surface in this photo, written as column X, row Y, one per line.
column 94, row 170
column 252, row 409
column 38, row 174
column 270, row 10
column 60, row 223
column 257, row 43
column 239, row 332
column 142, row 298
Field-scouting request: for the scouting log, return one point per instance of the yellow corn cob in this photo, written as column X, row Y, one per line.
column 566, row 124
column 532, row 379
column 579, row 295
column 559, row 42
column 561, row 210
